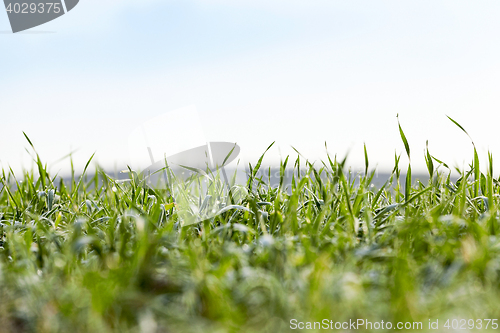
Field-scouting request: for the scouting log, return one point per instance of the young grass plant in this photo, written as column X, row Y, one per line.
column 99, row 254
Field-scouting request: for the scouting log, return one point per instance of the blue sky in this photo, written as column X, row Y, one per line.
column 296, row 72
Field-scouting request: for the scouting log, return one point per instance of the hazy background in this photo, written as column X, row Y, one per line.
column 298, row 72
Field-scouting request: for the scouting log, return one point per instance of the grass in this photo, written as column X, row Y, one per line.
column 100, row 255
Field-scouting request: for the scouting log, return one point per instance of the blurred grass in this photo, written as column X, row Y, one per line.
column 101, row 255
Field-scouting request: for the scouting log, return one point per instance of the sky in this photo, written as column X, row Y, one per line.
column 301, row 73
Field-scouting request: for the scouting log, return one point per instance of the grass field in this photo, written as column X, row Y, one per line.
column 98, row 255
